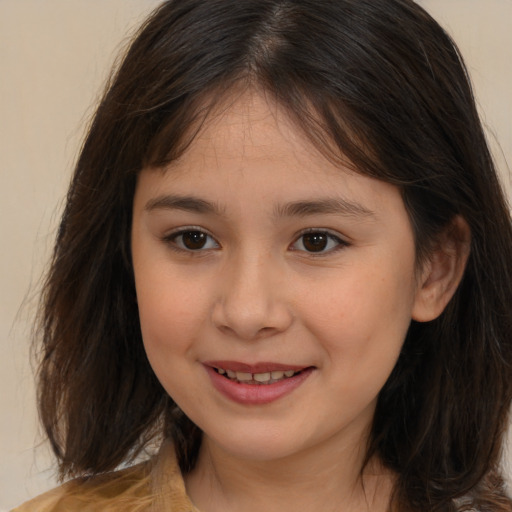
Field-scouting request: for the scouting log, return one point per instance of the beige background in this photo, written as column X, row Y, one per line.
column 54, row 57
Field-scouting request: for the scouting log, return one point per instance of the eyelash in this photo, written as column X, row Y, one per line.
column 331, row 237
column 172, row 238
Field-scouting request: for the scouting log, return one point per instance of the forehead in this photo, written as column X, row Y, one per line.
column 248, row 147
column 253, row 127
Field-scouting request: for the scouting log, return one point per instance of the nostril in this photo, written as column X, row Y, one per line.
column 250, row 314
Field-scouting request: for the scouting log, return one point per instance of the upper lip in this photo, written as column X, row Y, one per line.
column 262, row 367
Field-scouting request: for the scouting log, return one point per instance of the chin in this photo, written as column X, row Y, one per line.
column 261, row 443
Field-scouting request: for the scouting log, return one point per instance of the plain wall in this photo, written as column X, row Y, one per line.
column 54, row 58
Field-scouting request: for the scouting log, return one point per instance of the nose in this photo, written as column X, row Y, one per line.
column 251, row 300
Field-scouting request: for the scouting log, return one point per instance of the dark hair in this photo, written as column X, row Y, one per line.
column 377, row 81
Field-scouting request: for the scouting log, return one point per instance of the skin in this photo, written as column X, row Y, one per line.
column 254, row 292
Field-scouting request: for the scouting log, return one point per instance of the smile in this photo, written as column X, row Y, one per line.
column 257, row 378
column 256, row 384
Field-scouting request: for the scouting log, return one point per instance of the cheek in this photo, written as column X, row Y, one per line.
column 170, row 324
column 361, row 324
column 171, row 311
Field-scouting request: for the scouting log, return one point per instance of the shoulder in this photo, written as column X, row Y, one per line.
column 489, row 495
column 127, row 490
column 156, row 484
column 44, row 502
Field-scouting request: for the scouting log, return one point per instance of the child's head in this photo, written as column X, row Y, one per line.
column 374, row 88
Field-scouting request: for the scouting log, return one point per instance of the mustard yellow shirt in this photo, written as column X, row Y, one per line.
column 153, row 486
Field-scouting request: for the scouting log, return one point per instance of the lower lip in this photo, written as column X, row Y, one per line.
column 256, row 394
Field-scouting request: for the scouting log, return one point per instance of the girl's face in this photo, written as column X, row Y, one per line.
column 274, row 288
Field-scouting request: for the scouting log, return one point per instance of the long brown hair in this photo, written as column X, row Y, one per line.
column 377, row 81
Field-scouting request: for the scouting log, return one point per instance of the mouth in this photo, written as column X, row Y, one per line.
column 261, row 378
column 256, row 384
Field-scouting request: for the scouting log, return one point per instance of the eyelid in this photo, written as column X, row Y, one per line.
column 169, row 238
column 341, row 241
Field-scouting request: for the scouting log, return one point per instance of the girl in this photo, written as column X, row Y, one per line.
column 285, row 257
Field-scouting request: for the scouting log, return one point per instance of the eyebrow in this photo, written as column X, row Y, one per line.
column 336, row 206
column 187, row 203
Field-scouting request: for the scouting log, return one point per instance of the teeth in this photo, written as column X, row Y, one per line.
column 262, row 377
column 266, row 377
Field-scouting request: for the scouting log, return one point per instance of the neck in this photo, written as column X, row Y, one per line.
column 321, row 479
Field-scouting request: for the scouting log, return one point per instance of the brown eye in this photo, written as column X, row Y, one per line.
column 193, row 240
column 319, row 242
column 315, row 242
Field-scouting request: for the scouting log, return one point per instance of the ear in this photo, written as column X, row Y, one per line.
column 443, row 271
